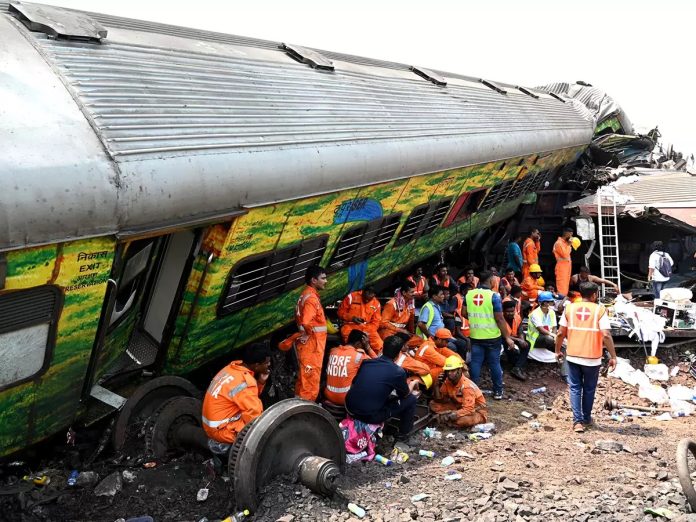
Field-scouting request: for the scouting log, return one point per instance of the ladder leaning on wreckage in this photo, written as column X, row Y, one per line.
column 164, row 190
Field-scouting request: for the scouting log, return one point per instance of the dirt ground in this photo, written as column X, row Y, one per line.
column 522, row 473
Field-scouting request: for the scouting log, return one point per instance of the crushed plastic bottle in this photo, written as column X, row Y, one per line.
column 538, row 390
column 383, row 460
column 355, row 457
column 447, row 461
column 419, row 497
column 616, row 417
column 453, row 476
column 399, row 456
column 483, row 428
column 356, row 510
column 238, row 517
column 202, row 495
column 480, row 436
column 72, row 479
column 426, row 453
column 535, row 425
column 432, row 433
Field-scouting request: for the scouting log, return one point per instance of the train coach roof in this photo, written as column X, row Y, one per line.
column 134, row 125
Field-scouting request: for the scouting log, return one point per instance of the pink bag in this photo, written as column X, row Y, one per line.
column 360, row 439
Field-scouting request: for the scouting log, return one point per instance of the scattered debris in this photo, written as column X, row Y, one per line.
column 609, row 445
column 111, row 485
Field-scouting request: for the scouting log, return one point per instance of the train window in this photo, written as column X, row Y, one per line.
column 28, row 321
column 132, row 277
column 364, row 241
column 264, row 276
column 497, row 194
column 423, row 220
column 466, row 204
column 539, row 182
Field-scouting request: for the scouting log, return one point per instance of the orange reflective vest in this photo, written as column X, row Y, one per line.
column 495, row 283
column 231, row 402
column 474, row 281
column 343, row 365
column 443, row 284
column 393, row 318
column 585, row 339
column 515, row 326
column 353, row 306
column 420, row 285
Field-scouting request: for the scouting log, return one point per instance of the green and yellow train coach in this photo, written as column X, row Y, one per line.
column 163, row 189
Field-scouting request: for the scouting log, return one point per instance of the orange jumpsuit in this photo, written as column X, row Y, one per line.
column 311, row 320
column 564, row 265
column 530, row 255
column 530, row 289
column 344, row 363
column 394, row 318
column 411, row 365
column 465, row 399
column 370, row 312
column 433, row 357
column 231, row 402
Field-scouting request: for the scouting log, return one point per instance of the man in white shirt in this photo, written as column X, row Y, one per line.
column 655, row 274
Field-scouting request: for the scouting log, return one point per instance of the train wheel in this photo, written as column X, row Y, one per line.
column 686, row 467
column 176, row 427
column 144, row 401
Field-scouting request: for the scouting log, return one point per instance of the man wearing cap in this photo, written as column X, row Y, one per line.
column 488, row 329
column 532, row 284
column 586, row 326
column 457, row 401
column 564, row 265
column 343, row 364
column 434, row 352
column 232, row 399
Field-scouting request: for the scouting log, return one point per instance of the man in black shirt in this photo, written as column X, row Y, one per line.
column 370, row 398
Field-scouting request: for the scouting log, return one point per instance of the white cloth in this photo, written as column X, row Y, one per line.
column 654, row 263
column 604, row 324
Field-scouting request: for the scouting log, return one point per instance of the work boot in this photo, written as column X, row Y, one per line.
column 518, row 373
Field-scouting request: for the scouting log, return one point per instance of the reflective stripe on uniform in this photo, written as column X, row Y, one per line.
column 217, row 424
column 398, row 325
column 315, row 329
column 234, row 391
column 334, row 389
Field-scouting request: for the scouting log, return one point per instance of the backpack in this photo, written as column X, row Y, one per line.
column 664, row 266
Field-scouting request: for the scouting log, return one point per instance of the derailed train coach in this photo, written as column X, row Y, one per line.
column 163, row 189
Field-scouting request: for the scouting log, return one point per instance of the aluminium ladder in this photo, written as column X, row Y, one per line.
column 608, row 236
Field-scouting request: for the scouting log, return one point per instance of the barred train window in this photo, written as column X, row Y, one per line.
column 27, row 332
column 423, row 220
column 263, row 276
column 363, row 241
column 496, row 195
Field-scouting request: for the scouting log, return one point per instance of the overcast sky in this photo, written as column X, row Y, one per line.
column 640, row 52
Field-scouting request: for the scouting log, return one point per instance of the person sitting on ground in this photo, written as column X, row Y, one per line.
column 584, row 275
column 434, row 352
column 457, row 401
column 361, row 310
column 509, row 280
column 541, row 330
column 380, row 391
column 556, row 296
column 449, row 310
column 416, row 370
column 442, row 278
column 420, row 282
column 517, row 356
column 398, row 313
column 232, row 399
column 344, row 362
column 532, row 284
column 469, row 277
column 516, row 296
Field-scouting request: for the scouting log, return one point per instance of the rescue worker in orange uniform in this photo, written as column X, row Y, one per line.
column 360, row 310
column 587, row 328
column 469, row 277
column 509, row 280
column 344, row 362
column 398, row 313
column 232, row 399
column 434, row 352
column 311, row 322
column 415, row 370
column 530, row 251
column 531, row 285
column 441, row 277
column 564, row 265
column 457, row 401
column 421, row 283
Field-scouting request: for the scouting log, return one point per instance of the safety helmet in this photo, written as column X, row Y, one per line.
column 535, row 268
column 453, row 362
column 443, row 333
column 575, row 242
column 545, row 297
column 427, row 380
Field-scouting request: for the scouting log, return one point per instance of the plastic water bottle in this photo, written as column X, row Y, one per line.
column 356, row 510
column 483, row 428
column 72, row 479
column 383, row 460
column 426, row 453
column 538, row 390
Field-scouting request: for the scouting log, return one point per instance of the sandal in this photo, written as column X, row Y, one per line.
column 578, row 427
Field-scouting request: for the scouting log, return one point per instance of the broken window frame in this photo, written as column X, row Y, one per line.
column 423, row 220
column 363, row 241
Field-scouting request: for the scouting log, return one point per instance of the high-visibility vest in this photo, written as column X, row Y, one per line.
column 533, row 331
column 420, row 284
column 479, row 307
column 515, row 326
column 460, row 302
column 585, row 339
column 431, row 315
column 474, row 282
column 443, row 284
column 343, row 365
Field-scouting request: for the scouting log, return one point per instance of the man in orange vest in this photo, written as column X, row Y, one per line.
column 232, row 400
column 518, row 355
column 530, row 251
column 311, row 321
column 509, row 280
column 457, row 401
column 398, row 313
column 421, row 283
column 586, row 327
column 564, row 265
column 434, row 352
column 532, row 285
column 469, row 277
column 442, row 278
column 360, row 310
column 344, row 362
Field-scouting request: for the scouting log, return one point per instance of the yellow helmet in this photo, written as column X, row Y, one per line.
column 427, row 380
column 331, row 328
column 534, row 268
column 453, row 362
column 575, row 242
